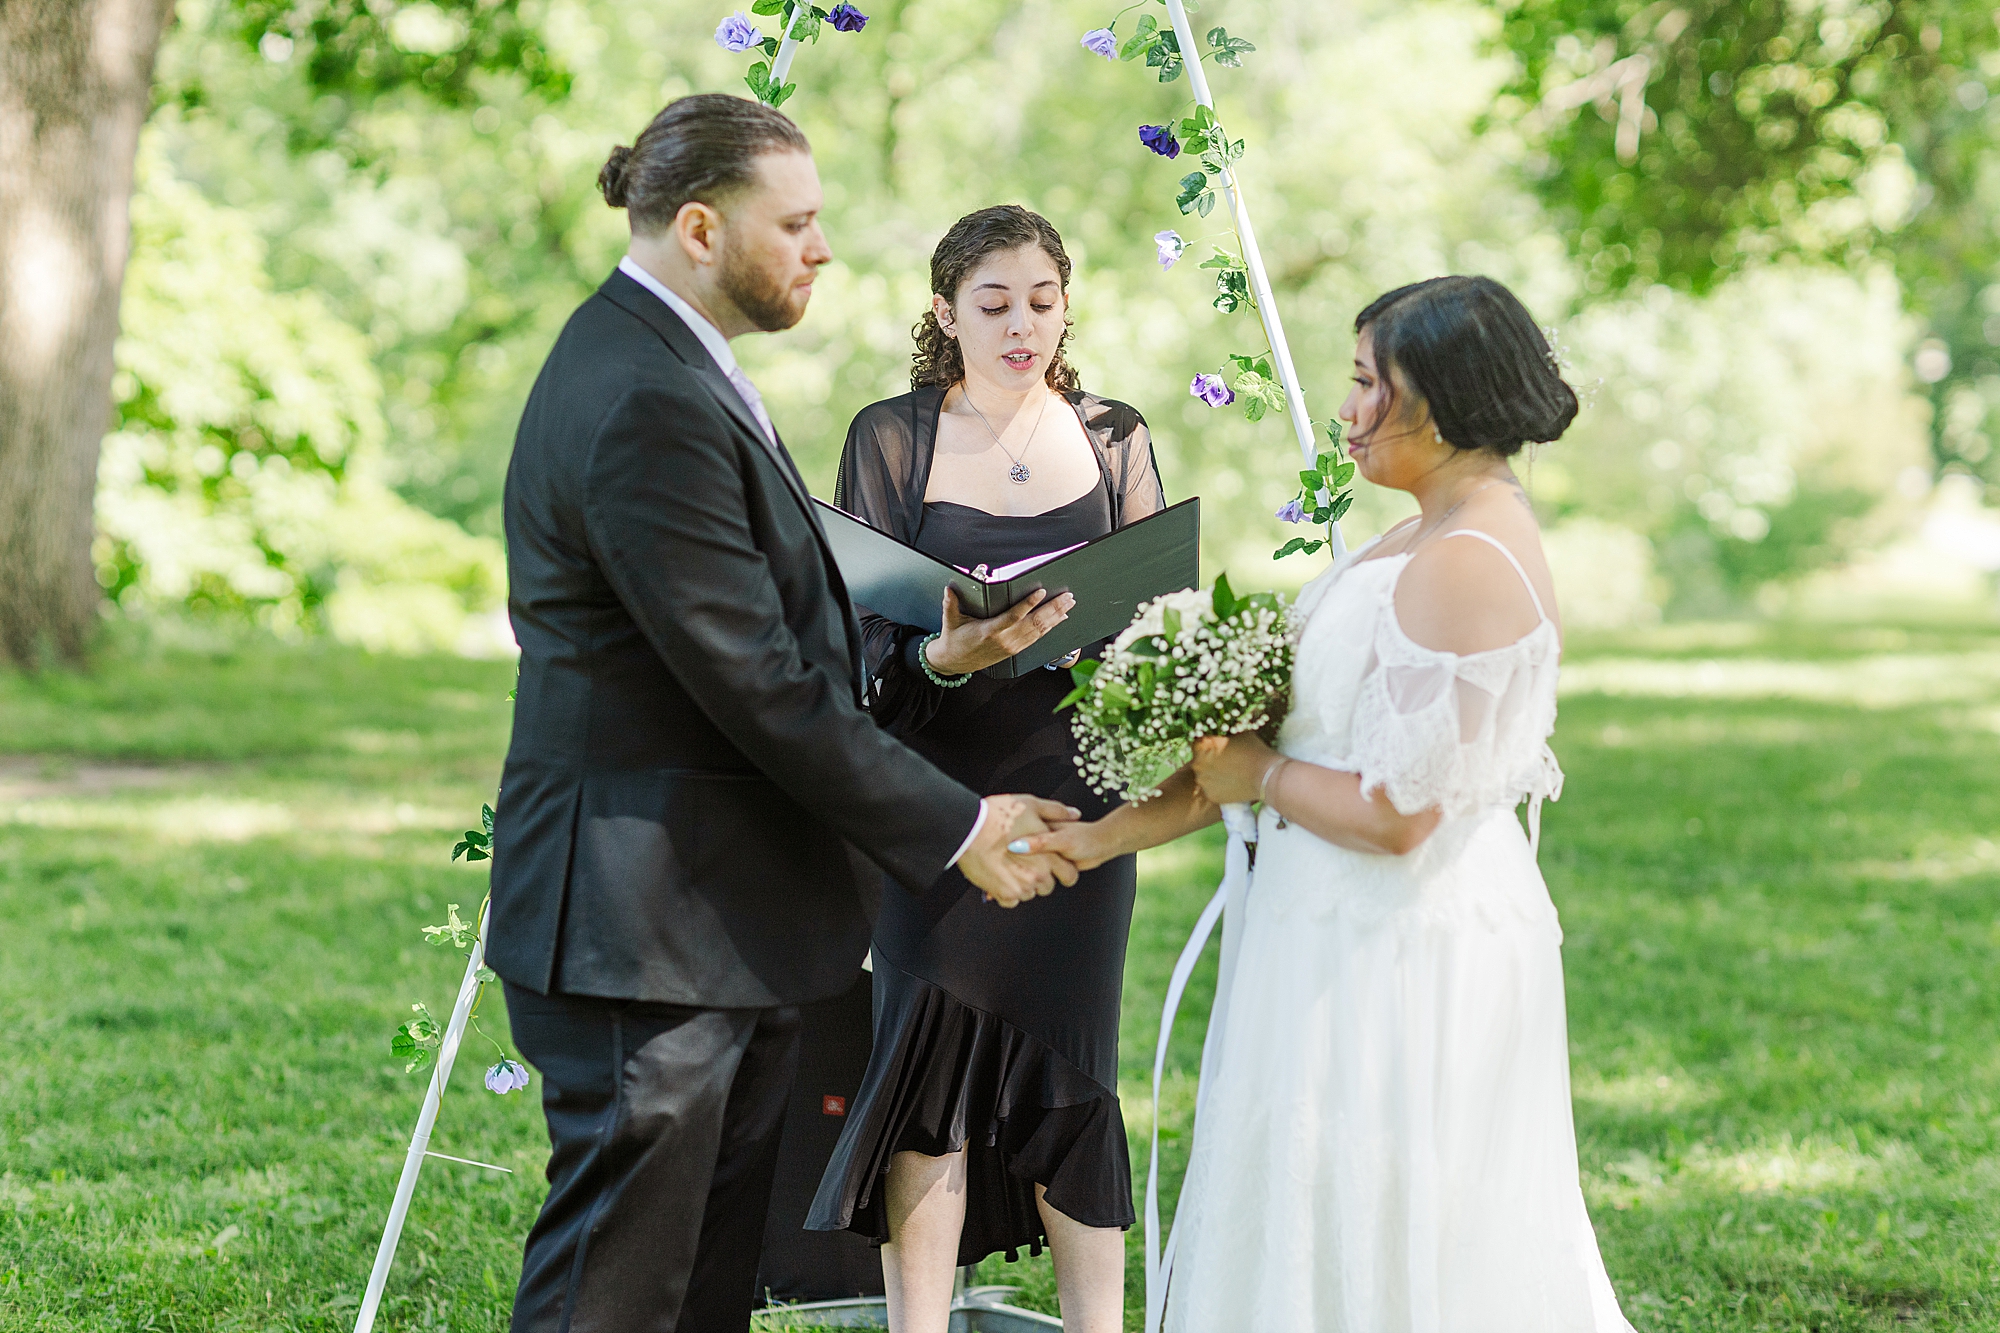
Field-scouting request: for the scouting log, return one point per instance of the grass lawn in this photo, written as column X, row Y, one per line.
column 1776, row 864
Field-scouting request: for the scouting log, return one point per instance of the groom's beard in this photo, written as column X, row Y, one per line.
column 766, row 301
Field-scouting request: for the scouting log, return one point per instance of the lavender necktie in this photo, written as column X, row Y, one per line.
column 754, row 401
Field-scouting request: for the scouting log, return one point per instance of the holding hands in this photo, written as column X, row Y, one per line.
column 1006, row 875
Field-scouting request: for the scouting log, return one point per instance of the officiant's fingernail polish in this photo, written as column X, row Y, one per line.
column 1019, row 846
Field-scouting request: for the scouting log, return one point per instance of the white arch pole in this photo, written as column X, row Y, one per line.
column 1253, row 258
column 781, row 63
column 420, row 1140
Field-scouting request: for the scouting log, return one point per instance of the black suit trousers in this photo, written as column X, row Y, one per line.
column 663, row 1132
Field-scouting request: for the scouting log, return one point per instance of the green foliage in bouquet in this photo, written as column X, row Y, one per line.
column 1191, row 664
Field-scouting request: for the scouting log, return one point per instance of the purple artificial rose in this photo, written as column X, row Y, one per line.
column 1211, row 390
column 1172, row 247
column 737, row 33
column 846, row 18
column 1101, row 42
column 1161, row 140
column 1292, row 511
column 507, row 1076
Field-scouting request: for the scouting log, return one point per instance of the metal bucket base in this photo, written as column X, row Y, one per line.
column 973, row 1310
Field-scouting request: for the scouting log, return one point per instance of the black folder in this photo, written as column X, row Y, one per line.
column 1110, row 576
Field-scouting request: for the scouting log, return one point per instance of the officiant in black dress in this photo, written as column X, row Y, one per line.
column 988, row 1119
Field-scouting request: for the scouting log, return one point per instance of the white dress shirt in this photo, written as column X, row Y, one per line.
column 711, row 339
column 718, row 350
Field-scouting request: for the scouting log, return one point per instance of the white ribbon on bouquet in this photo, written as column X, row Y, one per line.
column 1227, row 904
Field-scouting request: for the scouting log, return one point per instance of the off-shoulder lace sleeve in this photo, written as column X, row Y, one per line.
column 1456, row 733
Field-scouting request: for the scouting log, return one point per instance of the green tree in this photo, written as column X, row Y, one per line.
column 1681, row 143
column 76, row 84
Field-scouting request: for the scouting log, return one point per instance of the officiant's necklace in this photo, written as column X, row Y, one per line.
column 1018, row 473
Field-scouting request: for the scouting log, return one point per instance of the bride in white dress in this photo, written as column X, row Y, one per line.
column 1385, row 1144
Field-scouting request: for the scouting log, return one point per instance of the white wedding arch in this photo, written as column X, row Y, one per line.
column 981, row 1307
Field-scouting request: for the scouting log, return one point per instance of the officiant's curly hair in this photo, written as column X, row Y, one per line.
column 702, row 148
column 938, row 360
column 1471, row 352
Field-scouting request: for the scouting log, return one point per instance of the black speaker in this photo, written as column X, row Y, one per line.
column 835, row 1038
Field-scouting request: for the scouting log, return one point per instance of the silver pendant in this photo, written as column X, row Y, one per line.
column 1019, row 474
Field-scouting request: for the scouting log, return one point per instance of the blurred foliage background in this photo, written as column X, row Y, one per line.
column 359, row 227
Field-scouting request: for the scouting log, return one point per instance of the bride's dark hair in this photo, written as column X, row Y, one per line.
column 1469, row 349
column 938, row 360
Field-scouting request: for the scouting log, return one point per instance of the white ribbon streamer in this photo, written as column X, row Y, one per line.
column 1228, row 905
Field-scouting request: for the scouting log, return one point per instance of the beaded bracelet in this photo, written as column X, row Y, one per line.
column 941, row 681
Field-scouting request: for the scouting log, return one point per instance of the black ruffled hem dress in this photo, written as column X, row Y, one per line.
column 996, row 1031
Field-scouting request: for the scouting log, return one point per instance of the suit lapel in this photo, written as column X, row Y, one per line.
column 629, row 296
column 636, row 300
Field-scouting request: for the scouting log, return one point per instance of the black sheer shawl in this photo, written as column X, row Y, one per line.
column 885, row 467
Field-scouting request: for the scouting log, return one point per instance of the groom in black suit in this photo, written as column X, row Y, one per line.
column 694, row 794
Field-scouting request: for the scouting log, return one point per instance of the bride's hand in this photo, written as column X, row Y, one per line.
column 1083, row 845
column 1230, row 769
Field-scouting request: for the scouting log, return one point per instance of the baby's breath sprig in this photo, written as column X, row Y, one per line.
column 1191, row 664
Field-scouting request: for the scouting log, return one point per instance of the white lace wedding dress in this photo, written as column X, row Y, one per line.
column 1384, row 1143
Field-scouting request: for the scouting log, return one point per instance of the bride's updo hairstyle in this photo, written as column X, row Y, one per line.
column 698, row 149
column 1468, row 348
column 938, row 360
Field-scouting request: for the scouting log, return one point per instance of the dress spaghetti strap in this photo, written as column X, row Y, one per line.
column 1513, row 560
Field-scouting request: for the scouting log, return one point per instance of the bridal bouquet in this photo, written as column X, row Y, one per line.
column 1191, row 664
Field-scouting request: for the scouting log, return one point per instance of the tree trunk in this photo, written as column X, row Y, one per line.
column 75, row 86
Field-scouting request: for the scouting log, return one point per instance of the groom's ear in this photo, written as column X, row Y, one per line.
column 698, row 229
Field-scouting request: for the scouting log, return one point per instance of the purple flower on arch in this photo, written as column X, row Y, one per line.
column 1101, row 42
column 1171, row 246
column 507, row 1076
column 1211, row 390
column 846, row 18
column 737, row 33
column 1161, row 140
column 1292, row 511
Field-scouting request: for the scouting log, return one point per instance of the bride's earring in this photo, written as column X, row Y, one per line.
column 1437, row 435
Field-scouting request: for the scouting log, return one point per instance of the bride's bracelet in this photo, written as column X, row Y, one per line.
column 943, row 682
column 1264, row 786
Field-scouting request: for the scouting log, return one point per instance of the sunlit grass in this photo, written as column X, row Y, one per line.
column 1782, row 916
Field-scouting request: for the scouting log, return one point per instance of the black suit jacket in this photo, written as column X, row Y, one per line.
column 690, row 758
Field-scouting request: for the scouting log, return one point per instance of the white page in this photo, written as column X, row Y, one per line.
column 1005, row 572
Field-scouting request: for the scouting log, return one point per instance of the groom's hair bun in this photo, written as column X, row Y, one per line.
column 611, row 178
column 1471, row 352
column 698, row 149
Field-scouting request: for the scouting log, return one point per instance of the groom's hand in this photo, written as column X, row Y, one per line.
column 1007, row 877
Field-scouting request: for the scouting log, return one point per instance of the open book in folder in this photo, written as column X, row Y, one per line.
column 1109, row 577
